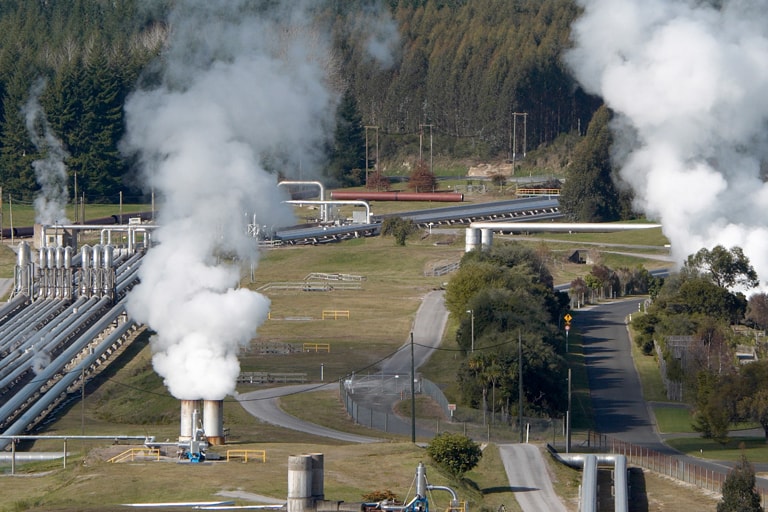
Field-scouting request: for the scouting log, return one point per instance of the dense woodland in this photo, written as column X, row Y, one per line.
column 459, row 70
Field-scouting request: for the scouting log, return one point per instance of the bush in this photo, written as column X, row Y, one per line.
column 739, row 493
column 455, row 453
column 381, row 495
column 399, row 228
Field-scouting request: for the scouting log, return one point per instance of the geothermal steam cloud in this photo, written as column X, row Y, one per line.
column 687, row 83
column 235, row 88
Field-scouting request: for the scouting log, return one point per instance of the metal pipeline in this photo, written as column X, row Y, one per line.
column 544, row 227
column 454, row 496
column 450, row 197
column 57, row 334
column 30, row 346
column 69, row 377
column 619, row 463
column 325, row 203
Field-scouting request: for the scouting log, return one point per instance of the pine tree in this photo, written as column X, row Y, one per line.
column 739, row 493
column 589, row 194
column 348, row 156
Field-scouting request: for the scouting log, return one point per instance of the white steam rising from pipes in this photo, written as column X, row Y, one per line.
column 236, row 88
column 50, row 171
column 687, row 81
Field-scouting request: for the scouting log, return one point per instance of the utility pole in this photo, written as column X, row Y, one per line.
column 513, row 142
column 376, row 166
column 421, row 128
column 520, row 381
column 472, row 323
column 75, row 197
column 413, row 395
column 568, row 417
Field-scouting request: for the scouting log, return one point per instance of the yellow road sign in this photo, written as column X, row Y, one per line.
column 567, row 317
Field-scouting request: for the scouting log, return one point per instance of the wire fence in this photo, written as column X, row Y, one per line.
column 369, row 401
column 692, row 472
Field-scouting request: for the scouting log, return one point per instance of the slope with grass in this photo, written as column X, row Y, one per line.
column 132, row 399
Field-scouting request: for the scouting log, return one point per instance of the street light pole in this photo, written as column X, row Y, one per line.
column 472, row 320
column 413, row 395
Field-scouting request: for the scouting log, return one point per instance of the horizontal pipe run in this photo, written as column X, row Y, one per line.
column 562, row 227
column 442, row 197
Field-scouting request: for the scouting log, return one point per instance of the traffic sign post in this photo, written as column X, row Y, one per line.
column 567, row 319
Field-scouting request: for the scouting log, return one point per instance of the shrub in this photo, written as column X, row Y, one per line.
column 455, row 453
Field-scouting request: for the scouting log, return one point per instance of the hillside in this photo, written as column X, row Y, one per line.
column 461, row 82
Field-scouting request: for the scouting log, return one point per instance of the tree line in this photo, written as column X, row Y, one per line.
column 696, row 323
column 508, row 314
column 459, row 69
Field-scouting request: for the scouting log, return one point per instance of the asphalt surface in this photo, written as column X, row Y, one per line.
column 263, row 404
column 617, row 400
column 529, row 479
column 428, row 328
column 617, row 397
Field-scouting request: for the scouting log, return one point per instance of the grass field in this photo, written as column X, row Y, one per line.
column 131, row 399
column 673, row 418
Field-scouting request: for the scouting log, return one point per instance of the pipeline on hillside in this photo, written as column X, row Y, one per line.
column 445, row 197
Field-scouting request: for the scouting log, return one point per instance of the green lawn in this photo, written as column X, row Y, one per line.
column 755, row 448
column 671, row 418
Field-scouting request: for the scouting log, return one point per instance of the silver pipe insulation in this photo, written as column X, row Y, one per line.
column 20, row 369
column 57, row 365
column 338, row 201
column 620, row 479
column 30, row 456
column 13, row 305
column 588, row 491
column 18, row 322
column 454, row 496
column 25, row 330
column 480, row 234
column 323, row 212
column 27, row 350
column 21, row 423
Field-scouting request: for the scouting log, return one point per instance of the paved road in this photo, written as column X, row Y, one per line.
column 263, row 405
column 529, row 479
column 617, row 398
column 428, row 328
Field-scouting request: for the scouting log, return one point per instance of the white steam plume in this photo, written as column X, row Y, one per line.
column 50, row 171
column 235, row 88
column 687, row 80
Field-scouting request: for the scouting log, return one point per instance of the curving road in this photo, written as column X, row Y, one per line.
column 428, row 328
column 263, row 404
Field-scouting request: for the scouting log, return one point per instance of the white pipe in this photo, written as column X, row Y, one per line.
column 543, row 227
column 336, row 201
column 619, row 462
column 323, row 215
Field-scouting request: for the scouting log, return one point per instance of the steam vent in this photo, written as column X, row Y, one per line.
column 212, row 420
